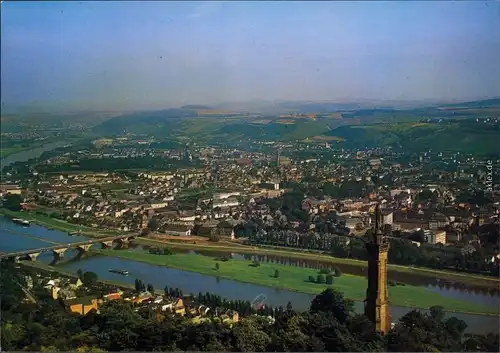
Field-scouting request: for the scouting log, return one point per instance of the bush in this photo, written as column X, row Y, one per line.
column 338, row 272
column 312, row 279
column 276, row 273
column 255, row 263
column 329, row 279
column 223, row 258
column 89, row 278
column 217, row 266
column 325, row 271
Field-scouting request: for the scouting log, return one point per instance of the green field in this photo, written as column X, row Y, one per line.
column 57, row 224
column 296, row 279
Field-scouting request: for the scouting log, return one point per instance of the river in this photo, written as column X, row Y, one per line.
column 35, row 237
column 24, row 156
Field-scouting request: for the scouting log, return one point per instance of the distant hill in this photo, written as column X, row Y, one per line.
column 386, row 124
column 196, row 107
column 312, row 107
column 486, row 103
column 461, row 135
column 143, row 122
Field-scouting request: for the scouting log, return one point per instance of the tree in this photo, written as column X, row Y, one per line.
column 437, row 312
column 312, row 279
column 80, row 273
column 214, row 237
column 150, row 288
column 329, row 279
column 12, row 202
column 289, row 306
column 418, row 332
column 138, row 285
column 153, row 224
column 276, row 273
column 217, row 266
column 320, row 278
column 334, row 302
column 250, row 337
column 338, row 272
column 89, row 278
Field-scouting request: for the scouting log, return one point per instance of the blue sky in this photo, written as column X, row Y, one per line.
column 159, row 54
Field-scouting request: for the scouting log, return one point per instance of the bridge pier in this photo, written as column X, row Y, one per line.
column 123, row 241
column 33, row 256
column 59, row 253
column 107, row 244
column 84, row 248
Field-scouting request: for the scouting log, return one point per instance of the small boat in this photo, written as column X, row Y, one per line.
column 21, row 221
column 120, row 272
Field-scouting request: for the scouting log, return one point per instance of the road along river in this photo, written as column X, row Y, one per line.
column 14, row 237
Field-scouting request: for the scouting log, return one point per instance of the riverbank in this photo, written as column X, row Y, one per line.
column 296, row 279
column 59, row 271
column 465, row 278
column 58, row 224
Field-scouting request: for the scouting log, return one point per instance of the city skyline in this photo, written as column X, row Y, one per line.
column 129, row 55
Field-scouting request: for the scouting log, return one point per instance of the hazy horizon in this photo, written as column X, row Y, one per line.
column 131, row 55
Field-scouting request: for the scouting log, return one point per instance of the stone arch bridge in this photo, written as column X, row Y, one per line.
column 59, row 250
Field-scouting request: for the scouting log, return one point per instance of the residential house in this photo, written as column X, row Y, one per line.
column 6, row 189
column 179, row 230
column 156, row 205
column 409, row 220
column 113, row 295
column 143, row 296
column 438, row 220
column 82, row 305
column 187, row 216
column 224, row 203
column 64, row 293
column 176, row 307
column 230, row 317
column 75, row 283
column 436, row 237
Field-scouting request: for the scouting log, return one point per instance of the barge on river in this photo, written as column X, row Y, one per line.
column 120, row 272
column 21, row 221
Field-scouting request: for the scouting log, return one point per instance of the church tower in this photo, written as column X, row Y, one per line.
column 377, row 298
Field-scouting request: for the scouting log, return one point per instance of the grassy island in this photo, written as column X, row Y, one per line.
column 297, row 279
